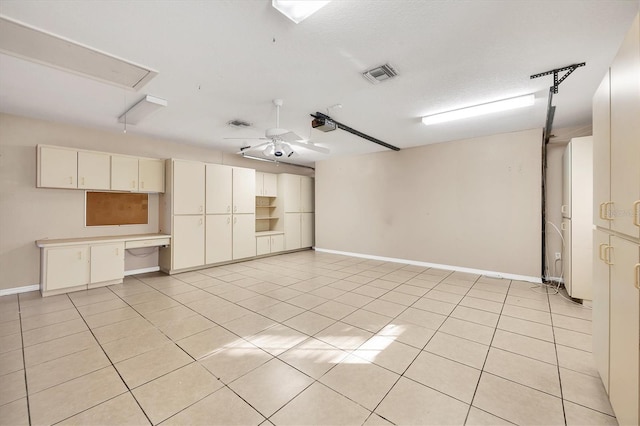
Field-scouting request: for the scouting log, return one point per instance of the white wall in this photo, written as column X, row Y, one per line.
column 28, row 213
column 473, row 203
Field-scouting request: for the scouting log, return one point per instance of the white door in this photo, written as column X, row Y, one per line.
column 244, row 235
column 244, row 191
column 188, row 187
column 218, row 187
column 270, row 185
column 151, row 175
column 306, row 194
column 107, row 262
column 94, row 170
column 67, row 267
column 625, row 331
column 187, row 244
column 124, row 173
column 600, row 311
column 601, row 153
column 567, row 255
column 292, row 228
column 263, row 245
column 625, row 133
column 306, row 229
column 218, row 238
column 58, row 168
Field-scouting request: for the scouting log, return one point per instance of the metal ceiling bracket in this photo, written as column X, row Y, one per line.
column 556, row 81
column 354, row 131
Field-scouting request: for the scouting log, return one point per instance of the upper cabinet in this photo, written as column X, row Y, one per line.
column 266, row 184
column 219, row 185
column 188, row 187
column 94, row 170
column 124, row 173
column 244, row 190
column 57, row 167
column 69, row 168
column 296, row 193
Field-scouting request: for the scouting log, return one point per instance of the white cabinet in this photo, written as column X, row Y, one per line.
column 289, row 190
column 296, row 200
column 57, row 167
column 266, row 185
column 292, row 231
column 65, row 267
column 94, row 170
column 124, row 173
column 150, row 175
column 601, row 153
column 188, row 187
column 107, row 262
column 306, row 229
column 219, row 241
column 219, row 182
column 244, row 236
column 624, row 358
column 244, row 190
column 188, row 241
column 266, row 244
column 306, row 195
column 600, row 311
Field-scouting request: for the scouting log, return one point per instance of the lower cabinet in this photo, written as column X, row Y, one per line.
column 266, row 244
column 188, row 241
column 600, row 310
column 298, row 230
column 244, row 234
column 219, row 238
column 82, row 266
column 107, row 262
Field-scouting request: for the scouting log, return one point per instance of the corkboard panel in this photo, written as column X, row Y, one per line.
column 117, row 208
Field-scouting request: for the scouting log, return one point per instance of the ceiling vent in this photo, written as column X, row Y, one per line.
column 380, row 74
column 38, row 46
column 239, row 124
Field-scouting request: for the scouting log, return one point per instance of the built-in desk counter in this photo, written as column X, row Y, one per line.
column 72, row 264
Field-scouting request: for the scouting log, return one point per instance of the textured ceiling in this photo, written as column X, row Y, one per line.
column 222, row 60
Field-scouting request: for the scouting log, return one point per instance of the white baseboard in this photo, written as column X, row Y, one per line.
column 141, row 271
column 491, row 274
column 16, row 290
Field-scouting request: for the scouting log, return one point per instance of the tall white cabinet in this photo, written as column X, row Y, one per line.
column 296, row 202
column 616, row 272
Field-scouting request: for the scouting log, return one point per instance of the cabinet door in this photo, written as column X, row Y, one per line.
column 263, row 245
column 292, row 229
column 625, row 133
column 94, row 170
column 66, row 267
column 624, row 332
column 107, row 262
column 601, row 153
column 244, row 235
column 277, row 243
column 270, row 185
column 244, row 190
column 566, row 181
column 150, row 175
column 187, row 244
column 306, row 194
column 600, row 311
column 219, row 184
column 259, row 184
column 124, row 173
column 57, row 167
column 290, row 193
column 219, row 241
column 567, row 255
column 306, row 229
column 188, row 187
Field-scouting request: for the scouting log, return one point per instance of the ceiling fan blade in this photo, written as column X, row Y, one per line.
column 249, row 139
column 310, row 147
column 254, row 147
column 289, row 137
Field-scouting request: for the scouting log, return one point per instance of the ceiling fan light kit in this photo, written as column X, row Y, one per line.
column 298, row 10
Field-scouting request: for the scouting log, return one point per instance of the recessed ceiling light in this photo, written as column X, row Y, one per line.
column 298, row 10
column 476, row 110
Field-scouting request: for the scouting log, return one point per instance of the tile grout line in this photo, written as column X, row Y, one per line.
column 555, row 349
column 24, row 362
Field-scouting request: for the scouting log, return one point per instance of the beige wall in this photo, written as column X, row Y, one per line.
column 28, row 213
column 472, row 203
column 554, row 204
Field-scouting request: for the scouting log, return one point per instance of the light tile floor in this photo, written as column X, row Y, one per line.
column 302, row 338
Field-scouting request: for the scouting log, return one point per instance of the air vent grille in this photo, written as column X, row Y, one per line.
column 238, row 123
column 380, row 74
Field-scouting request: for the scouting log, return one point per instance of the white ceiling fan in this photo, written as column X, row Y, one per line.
column 280, row 142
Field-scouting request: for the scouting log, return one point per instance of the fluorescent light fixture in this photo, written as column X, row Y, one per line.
column 473, row 111
column 298, row 10
column 32, row 44
column 146, row 106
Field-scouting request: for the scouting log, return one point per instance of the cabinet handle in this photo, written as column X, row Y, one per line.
column 637, row 283
column 563, row 208
column 200, row 221
column 563, row 226
column 600, row 212
column 600, row 252
column 71, row 180
column 235, row 209
column 607, row 210
column 607, row 257
column 636, row 214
